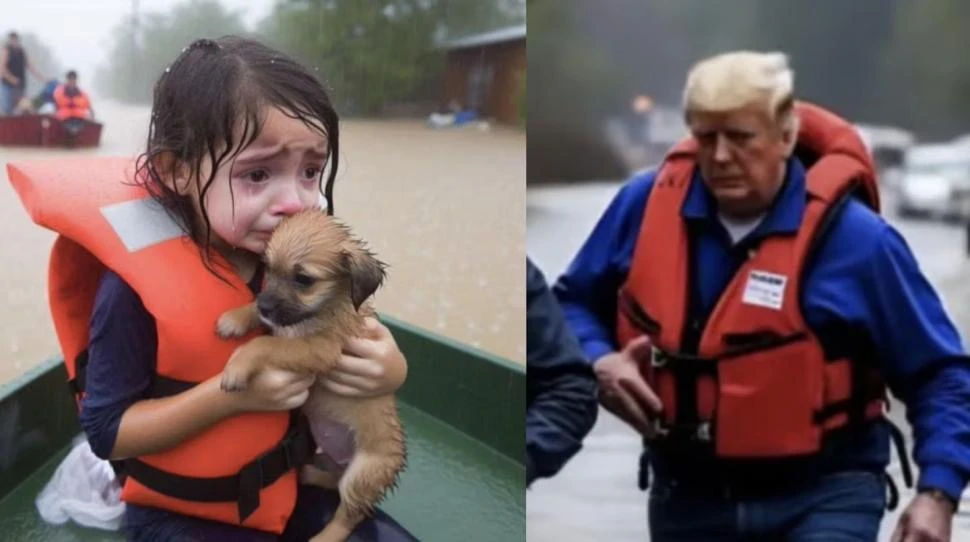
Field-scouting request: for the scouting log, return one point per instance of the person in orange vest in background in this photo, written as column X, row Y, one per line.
column 745, row 308
column 71, row 101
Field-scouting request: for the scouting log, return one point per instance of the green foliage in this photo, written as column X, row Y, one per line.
column 887, row 62
column 369, row 53
column 926, row 72
column 376, row 53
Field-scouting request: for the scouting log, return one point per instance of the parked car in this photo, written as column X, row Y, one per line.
column 936, row 182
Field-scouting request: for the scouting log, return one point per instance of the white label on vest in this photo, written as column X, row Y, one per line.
column 765, row 289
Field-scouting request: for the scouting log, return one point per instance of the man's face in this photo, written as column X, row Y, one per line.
column 13, row 41
column 742, row 156
column 71, row 81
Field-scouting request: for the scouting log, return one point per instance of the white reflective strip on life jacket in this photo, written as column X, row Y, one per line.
column 141, row 223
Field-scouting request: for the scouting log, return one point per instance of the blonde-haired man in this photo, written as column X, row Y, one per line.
column 745, row 308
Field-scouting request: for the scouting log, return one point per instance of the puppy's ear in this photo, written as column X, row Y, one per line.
column 365, row 271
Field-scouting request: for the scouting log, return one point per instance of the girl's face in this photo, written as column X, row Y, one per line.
column 276, row 176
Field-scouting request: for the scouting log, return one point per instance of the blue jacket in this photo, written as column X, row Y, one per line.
column 561, row 404
column 864, row 293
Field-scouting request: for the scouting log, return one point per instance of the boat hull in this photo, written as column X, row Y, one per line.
column 47, row 131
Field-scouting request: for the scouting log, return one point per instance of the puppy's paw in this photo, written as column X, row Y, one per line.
column 232, row 382
column 230, row 326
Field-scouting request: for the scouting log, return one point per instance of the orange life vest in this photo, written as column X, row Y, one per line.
column 758, row 384
column 71, row 107
column 242, row 469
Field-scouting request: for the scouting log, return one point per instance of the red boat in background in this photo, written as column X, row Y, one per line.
column 48, row 131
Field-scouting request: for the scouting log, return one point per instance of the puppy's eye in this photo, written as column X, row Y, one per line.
column 303, row 279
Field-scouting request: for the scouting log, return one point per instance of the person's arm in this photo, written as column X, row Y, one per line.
column 924, row 360
column 33, row 69
column 4, row 71
column 115, row 415
column 121, row 361
column 588, row 289
column 561, row 404
column 155, row 425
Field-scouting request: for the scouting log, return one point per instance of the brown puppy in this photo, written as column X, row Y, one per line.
column 317, row 280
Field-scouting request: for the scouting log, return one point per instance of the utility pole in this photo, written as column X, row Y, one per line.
column 132, row 71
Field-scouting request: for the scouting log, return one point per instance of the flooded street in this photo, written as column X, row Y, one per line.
column 595, row 496
column 443, row 208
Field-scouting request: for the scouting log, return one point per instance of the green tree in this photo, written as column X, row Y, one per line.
column 376, row 53
column 926, row 76
column 369, row 53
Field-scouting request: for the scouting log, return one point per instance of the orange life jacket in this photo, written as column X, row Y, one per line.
column 71, row 107
column 242, row 469
column 758, row 384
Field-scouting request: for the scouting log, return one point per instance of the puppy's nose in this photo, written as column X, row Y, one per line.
column 266, row 306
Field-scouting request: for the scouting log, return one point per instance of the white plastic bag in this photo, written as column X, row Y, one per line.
column 83, row 489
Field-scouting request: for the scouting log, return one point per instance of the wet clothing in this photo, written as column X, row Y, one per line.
column 561, row 404
column 120, row 370
column 863, row 295
column 10, row 94
column 10, row 97
column 17, row 65
column 71, row 102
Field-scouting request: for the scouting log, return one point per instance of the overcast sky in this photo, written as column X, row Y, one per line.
column 78, row 31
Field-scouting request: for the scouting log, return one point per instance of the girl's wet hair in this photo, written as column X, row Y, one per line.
column 210, row 104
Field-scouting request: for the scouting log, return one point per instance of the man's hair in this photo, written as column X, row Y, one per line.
column 733, row 80
column 72, row 74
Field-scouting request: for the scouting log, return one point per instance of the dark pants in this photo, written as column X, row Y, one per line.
column 842, row 507
column 314, row 508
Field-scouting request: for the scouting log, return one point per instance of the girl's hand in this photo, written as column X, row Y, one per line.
column 372, row 365
column 273, row 389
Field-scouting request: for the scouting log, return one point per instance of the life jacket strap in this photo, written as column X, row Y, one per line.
column 295, row 449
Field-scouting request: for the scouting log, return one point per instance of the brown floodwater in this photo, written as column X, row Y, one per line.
column 444, row 208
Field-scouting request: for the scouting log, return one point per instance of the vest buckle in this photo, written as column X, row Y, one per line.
column 658, row 358
column 703, row 432
column 660, row 428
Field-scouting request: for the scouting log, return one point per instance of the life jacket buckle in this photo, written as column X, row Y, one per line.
column 701, row 432
column 658, row 358
column 660, row 428
column 704, row 431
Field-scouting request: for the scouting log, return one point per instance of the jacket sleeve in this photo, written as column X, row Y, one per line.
column 561, row 402
column 924, row 361
column 121, row 361
column 588, row 289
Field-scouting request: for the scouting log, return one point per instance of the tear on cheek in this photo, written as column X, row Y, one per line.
column 322, row 202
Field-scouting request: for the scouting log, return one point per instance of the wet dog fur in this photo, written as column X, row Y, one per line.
column 318, row 280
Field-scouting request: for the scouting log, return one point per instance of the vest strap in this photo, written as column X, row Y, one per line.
column 296, row 449
column 635, row 313
column 161, row 386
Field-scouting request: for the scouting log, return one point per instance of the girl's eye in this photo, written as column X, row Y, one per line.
column 257, row 176
column 311, row 172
